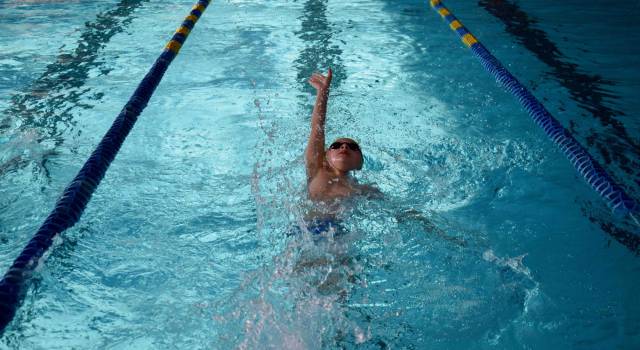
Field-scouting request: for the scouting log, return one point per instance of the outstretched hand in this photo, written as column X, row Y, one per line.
column 320, row 82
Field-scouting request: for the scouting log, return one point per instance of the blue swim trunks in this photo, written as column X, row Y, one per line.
column 319, row 226
column 325, row 226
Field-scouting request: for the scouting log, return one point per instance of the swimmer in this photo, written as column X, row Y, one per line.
column 329, row 184
column 329, row 171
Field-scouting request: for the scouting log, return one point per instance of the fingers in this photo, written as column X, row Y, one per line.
column 327, row 77
column 318, row 80
column 317, row 76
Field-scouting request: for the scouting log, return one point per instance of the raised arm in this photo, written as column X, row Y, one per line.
column 314, row 154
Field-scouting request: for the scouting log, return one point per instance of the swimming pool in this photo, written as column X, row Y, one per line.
column 486, row 237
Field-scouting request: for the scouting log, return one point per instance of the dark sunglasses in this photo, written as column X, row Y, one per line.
column 352, row 146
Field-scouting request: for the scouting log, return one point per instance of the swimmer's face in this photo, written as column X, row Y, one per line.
column 344, row 154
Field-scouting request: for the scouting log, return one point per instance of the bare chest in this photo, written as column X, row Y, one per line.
column 323, row 186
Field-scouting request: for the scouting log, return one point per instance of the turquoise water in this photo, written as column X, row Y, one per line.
column 486, row 237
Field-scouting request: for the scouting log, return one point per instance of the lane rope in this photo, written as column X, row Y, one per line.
column 593, row 173
column 74, row 199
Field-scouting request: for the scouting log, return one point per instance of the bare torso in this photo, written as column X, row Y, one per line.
column 326, row 187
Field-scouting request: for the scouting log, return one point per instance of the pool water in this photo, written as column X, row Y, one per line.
column 486, row 237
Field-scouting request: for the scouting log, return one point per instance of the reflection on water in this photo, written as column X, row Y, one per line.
column 319, row 53
column 590, row 91
column 47, row 109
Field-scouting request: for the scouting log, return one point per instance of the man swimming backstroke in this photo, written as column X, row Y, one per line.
column 328, row 171
column 329, row 179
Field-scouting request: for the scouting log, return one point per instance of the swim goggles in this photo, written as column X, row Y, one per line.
column 352, row 146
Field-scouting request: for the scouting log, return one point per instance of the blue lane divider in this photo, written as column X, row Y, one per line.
column 75, row 197
column 591, row 171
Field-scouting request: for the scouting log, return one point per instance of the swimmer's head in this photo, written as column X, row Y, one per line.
column 344, row 154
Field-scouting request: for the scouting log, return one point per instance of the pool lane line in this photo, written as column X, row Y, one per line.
column 590, row 93
column 615, row 197
column 75, row 197
column 588, row 90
